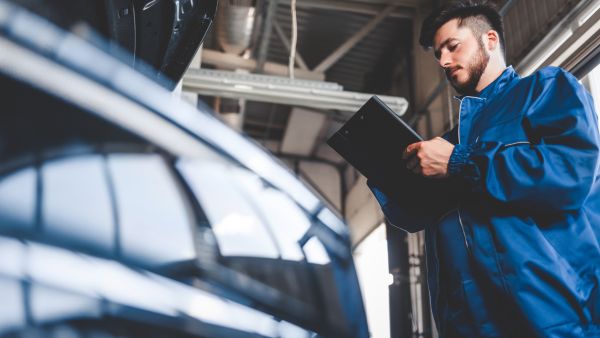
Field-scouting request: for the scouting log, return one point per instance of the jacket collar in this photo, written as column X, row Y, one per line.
column 497, row 85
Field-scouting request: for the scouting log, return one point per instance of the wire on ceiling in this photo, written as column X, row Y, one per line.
column 294, row 39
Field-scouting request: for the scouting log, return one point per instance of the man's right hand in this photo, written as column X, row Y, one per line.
column 429, row 158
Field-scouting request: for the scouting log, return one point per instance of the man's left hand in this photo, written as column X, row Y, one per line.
column 429, row 158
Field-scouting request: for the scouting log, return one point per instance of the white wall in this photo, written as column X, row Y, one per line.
column 326, row 178
column 371, row 260
column 362, row 211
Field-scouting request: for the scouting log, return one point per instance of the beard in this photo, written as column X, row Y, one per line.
column 474, row 70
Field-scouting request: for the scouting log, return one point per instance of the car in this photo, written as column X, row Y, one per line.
column 126, row 212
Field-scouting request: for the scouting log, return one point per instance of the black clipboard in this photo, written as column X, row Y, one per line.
column 373, row 141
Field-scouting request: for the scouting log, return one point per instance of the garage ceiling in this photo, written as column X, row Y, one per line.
column 324, row 26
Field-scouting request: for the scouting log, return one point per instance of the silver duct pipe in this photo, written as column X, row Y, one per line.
column 234, row 24
column 234, row 32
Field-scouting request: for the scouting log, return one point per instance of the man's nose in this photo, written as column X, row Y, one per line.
column 445, row 60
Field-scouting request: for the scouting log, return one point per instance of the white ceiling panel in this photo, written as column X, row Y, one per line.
column 303, row 128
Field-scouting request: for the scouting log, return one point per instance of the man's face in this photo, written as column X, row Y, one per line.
column 462, row 55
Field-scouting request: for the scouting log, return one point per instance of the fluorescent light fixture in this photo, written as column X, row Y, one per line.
column 282, row 90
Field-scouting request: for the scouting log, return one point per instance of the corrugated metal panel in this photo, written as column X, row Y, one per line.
column 528, row 21
column 320, row 32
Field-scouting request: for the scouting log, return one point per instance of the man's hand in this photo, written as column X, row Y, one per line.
column 429, row 158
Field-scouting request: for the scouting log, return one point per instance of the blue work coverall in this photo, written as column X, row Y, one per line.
column 519, row 254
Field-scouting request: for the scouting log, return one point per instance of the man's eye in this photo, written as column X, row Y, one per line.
column 453, row 47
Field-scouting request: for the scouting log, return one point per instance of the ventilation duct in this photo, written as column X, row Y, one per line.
column 234, row 25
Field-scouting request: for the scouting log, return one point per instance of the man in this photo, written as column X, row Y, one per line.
column 519, row 255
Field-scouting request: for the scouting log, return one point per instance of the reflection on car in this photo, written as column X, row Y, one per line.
column 127, row 213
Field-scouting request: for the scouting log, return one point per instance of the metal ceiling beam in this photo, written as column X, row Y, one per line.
column 425, row 108
column 230, row 61
column 352, row 41
column 583, row 42
column 401, row 11
column 507, row 6
column 265, row 38
column 258, row 123
column 299, row 60
column 531, row 61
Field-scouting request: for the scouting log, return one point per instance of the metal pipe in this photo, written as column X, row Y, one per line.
column 230, row 61
column 506, row 7
column 526, row 63
column 265, row 39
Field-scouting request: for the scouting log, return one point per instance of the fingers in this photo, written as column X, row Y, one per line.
column 412, row 162
column 414, row 165
column 410, row 153
column 411, row 150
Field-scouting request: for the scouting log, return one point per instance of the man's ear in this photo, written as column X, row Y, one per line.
column 493, row 40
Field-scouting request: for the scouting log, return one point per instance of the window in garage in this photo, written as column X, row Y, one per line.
column 371, row 257
column 592, row 83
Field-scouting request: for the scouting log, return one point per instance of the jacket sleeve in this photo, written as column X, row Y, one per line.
column 398, row 214
column 555, row 169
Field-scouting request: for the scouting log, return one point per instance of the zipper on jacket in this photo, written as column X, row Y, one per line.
column 462, row 227
column 460, row 222
column 432, row 239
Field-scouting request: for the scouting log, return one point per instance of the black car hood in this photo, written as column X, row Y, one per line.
column 162, row 34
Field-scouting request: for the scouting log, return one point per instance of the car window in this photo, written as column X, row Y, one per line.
column 331, row 220
column 12, row 311
column 237, row 227
column 289, row 330
column 154, row 222
column 18, row 199
column 66, row 185
column 284, row 219
column 315, row 252
column 49, row 304
column 273, row 242
column 57, row 288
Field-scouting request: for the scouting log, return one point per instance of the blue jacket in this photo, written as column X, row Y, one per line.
column 519, row 256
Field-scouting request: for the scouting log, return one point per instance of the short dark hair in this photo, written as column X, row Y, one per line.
column 477, row 15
